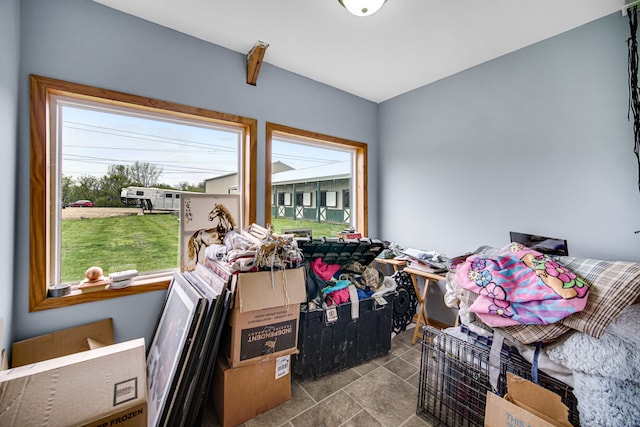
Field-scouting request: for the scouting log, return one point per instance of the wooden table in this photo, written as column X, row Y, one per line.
column 396, row 263
column 421, row 316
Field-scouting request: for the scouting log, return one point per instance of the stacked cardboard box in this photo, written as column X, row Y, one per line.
column 100, row 387
column 252, row 373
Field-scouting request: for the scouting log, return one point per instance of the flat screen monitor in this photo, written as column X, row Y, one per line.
column 545, row 245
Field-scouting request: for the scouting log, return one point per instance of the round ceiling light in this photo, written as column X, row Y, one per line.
column 362, row 7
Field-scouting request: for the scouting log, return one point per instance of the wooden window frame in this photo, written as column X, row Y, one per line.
column 40, row 224
column 360, row 173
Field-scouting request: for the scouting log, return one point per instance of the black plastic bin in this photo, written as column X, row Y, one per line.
column 332, row 347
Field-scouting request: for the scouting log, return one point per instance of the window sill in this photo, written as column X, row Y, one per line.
column 140, row 285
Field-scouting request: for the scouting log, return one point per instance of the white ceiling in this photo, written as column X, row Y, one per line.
column 407, row 44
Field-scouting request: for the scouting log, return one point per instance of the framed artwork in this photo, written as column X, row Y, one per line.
column 206, row 218
column 200, row 371
column 171, row 345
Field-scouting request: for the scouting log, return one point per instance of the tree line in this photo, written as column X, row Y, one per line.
column 105, row 190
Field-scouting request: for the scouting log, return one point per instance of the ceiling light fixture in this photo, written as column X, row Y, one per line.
column 362, row 7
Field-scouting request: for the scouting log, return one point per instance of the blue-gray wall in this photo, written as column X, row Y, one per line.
column 82, row 41
column 535, row 141
column 9, row 52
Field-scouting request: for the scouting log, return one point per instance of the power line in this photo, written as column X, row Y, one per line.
column 145, row 137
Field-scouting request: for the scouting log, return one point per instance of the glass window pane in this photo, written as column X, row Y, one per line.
column 312, row 171
column 124, row 161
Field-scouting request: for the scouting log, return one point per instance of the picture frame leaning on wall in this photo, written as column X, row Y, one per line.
column 171, row 347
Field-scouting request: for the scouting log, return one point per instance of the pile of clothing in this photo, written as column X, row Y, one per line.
column 577, row 312
column 333, row 284
column 251, row 251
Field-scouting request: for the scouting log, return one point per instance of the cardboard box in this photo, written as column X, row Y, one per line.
column 95, row 387
column 264, row 320
column 525, row 404
column 62, row 343
column 240, row 394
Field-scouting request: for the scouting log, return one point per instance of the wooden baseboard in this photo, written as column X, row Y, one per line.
column 438, row 325
column 432, row 322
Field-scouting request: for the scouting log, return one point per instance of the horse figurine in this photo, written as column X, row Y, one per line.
column 204, row 237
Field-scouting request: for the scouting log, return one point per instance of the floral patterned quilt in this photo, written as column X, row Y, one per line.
column 614, row 285
column 520, row 286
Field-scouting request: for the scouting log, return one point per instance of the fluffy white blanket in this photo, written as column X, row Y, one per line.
column 606, row 371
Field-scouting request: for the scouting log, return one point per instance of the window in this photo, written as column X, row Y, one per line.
column 306, row 199
column 299, row 198
column 332, row 201
column 71, row 152
column 329, row 199
column 330, row 166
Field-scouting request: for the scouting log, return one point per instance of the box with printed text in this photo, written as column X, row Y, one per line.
column 264, row 320
column 236, row 402
column 100, row 387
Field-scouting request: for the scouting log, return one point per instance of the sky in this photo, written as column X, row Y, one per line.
column 93, row 140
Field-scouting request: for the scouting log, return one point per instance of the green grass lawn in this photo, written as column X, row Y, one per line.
column 320, row 229
column 144, row 243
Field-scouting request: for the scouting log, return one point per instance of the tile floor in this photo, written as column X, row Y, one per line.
column 381, row 392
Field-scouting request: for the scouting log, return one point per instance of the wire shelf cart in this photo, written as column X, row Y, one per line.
column 454, row 380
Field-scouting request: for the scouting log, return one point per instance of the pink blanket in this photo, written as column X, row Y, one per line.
column 520, row 286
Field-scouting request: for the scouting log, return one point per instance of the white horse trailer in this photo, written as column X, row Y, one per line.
column 151, row 199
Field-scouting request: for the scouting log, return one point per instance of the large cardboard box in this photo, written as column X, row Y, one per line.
column 525, row 404
column 101, row 387
column 264, row 320
column 242, row 393
column 62, row 343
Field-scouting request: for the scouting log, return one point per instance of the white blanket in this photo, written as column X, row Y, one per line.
column 606, row 371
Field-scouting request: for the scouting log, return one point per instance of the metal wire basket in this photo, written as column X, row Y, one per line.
column 454, row 380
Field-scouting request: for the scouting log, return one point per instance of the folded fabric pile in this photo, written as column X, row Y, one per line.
column 518, row 285
column 599, row 345
column 606, row 371
column 614, row 285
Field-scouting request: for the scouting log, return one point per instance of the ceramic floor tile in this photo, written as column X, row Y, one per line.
column 380, row 392
column 329, row 384
column 367, row 367
column 401, row 368
column 385, row 396
column 330, row 412
column 416, row 421
column 399, row 348
column 412, row 356
column 362, row 419
column 414, row 380
column 300, row 401
column 386, row 358
column 406, row 336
